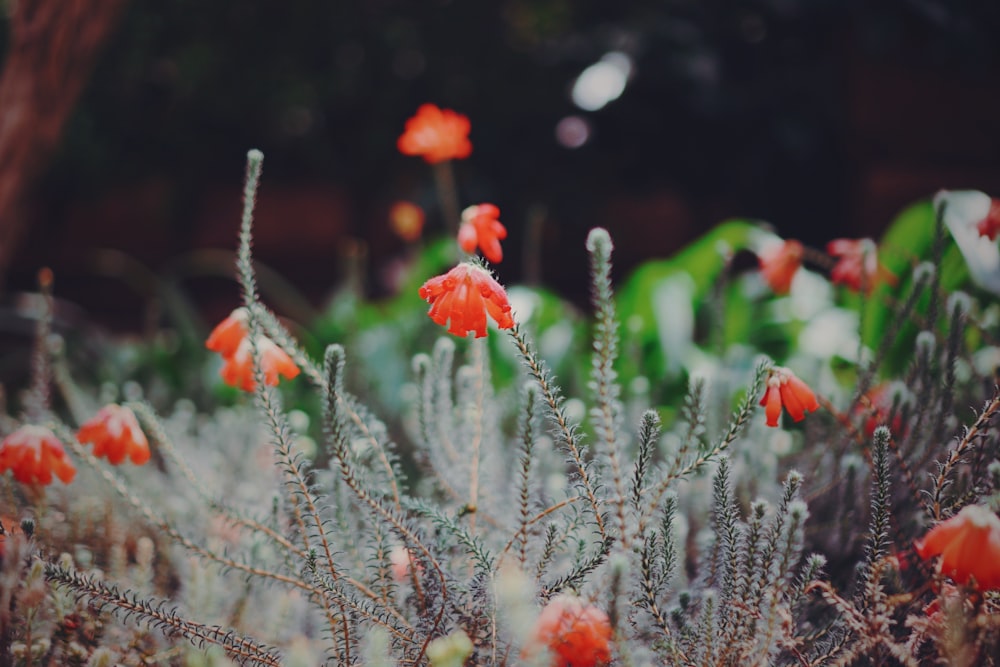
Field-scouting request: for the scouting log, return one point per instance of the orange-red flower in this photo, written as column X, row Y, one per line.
column 481, row 226
column 237, row 371
column 406, row 220
column 786, row 390
column 990, row 225
column 34, row 454
column 465, row 295
column 858, row 265
column 969, row 546
column 779, row 264
column 115, row 432
column 577, row 634
column 436, row 134
column 229, row 333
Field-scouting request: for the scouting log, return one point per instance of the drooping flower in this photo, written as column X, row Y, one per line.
column 481, row 227
column 465, row 295
column 969, row 546
column 229, row 333
column 577, row 634
column 436, row 134
column 406, row 220
column 858, row 266
column 34, row 454
column 990, row 225
column 115, row 433
column 779, row 264
column 784, row 389
column 237, row 371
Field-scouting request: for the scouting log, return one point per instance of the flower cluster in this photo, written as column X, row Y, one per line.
column 34, row 454
column 232, row 341
column 465, row 295
column 857, row 266
column 784, row 390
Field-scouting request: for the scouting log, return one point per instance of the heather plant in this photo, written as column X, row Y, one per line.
column 650, row 514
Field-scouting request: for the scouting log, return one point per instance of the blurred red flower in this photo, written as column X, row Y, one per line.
column 406, row 220
column 779, row 264
column 481, row 226
column 436, row 134
column 969, row 546
column 786, row 390
column 577, row 634
column 237, row 371
column 34, row 454
column 115, row 433
column 858, row 265
column 990, row 225
column 465, row 295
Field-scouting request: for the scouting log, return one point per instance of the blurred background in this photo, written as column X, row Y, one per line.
column 124, row 128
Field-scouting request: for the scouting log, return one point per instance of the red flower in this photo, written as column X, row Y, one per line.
column 230, row 332
column 577, row 634
column 238, row 369
column 407, row 220
column 465, row 295
column 969, row 546
column 436, row 134
column 33, row 454
column 481, row 226
column 990, row 225
column 115, row 432
column 858, row 264
column 779, row 264
column 784, row 389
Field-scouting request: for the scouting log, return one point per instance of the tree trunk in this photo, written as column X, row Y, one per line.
column 53, row 47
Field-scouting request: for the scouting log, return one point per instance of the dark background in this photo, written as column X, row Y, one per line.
column 822, row 117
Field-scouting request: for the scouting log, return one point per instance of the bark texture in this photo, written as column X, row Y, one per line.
column 53, row 47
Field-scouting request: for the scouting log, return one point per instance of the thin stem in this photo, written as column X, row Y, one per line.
column 447, row 192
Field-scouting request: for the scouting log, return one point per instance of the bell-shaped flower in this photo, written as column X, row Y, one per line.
column 969, row 546
column 785, row 390
column 577, row 634
column 229, row 333
column 116, row 434
column 436, row 134
column 858, row 266
column 238, row 369
column 34, row 454
column 481, row 227
column 465, row 295
column 779, row 263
